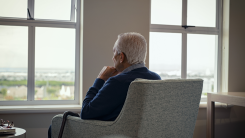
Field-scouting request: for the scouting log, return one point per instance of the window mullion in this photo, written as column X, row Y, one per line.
column 78, row 72
column 217, row 13
column 184, row 42
column 31, row 64
column 219, row 60
column 184, row 56
column 178, row 29
column 184, row 12
column 72, row 18
column 31, row 8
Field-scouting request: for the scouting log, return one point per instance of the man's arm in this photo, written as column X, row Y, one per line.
column 102, row 100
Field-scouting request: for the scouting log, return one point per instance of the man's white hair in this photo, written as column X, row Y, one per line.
column 133, row 45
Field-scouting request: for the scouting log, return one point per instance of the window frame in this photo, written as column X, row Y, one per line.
column 31, row 24
column 217, row 30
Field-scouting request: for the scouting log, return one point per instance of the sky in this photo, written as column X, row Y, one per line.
column 55, row 48
column 199, row 12
column 165, row 48
column 165, row 51
column 44, row 9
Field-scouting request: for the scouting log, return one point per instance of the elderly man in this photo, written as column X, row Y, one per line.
column 105, row 99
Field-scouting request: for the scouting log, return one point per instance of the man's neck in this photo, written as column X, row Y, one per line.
column 126, row 65
column 134, row 66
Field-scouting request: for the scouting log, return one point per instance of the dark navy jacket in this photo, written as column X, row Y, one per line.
column 104, row 101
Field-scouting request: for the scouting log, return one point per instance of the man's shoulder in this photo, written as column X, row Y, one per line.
column 121, row 77
column 143, row 73
column 155, row 75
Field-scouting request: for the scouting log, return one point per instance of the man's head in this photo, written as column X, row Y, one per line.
column 129, row 48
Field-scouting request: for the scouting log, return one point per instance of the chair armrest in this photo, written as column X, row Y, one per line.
column 77, row 127
column 92, row 122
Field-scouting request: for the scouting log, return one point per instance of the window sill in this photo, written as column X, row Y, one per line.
column 63, row 108
column 217, row 105
column 40, row 109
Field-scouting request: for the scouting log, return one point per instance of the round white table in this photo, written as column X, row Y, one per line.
column 18, row 132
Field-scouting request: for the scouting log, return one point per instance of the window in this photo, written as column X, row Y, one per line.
column 39, row 52
column 185, row 41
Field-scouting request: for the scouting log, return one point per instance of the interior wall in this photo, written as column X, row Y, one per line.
column 236, row 79
column 103, row 22
column 36, row 125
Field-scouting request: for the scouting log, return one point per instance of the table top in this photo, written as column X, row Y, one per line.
column 234, row 98
column 233, row 94
column 18, row 132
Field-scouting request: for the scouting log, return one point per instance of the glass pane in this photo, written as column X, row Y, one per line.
column 53, row 9
column 165, row 54
column 13, row 8
column 201, row 13
column 54, row 64
column 166, row 12
column 201, row 59
column 13, row 63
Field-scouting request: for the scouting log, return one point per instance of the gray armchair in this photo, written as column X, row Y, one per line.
column 153, row 109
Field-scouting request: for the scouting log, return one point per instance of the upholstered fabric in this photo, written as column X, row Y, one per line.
column 153, row 109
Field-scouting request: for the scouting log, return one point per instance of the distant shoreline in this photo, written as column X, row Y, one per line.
column 24, row 70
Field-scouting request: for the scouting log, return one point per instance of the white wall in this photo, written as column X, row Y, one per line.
column 103, row 21
column 36, row 125
column 236, row 76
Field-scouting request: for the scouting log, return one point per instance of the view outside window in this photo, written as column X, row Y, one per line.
column 201, row 59
column 166, row 44
column 13, row 8
column 52, row 66
column 165, row 54
column 13, row 62
column 201, row 13
column 53, row 9
column 54, row 63
column 166, row 12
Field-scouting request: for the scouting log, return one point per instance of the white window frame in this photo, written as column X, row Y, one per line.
column 31, row 24
column 217, row 30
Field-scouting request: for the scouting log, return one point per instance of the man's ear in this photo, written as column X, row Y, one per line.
column 122, row 57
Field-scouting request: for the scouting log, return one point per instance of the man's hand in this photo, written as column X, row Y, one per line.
column 107, row 72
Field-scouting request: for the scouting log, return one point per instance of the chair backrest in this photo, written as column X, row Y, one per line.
column 162, row 108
